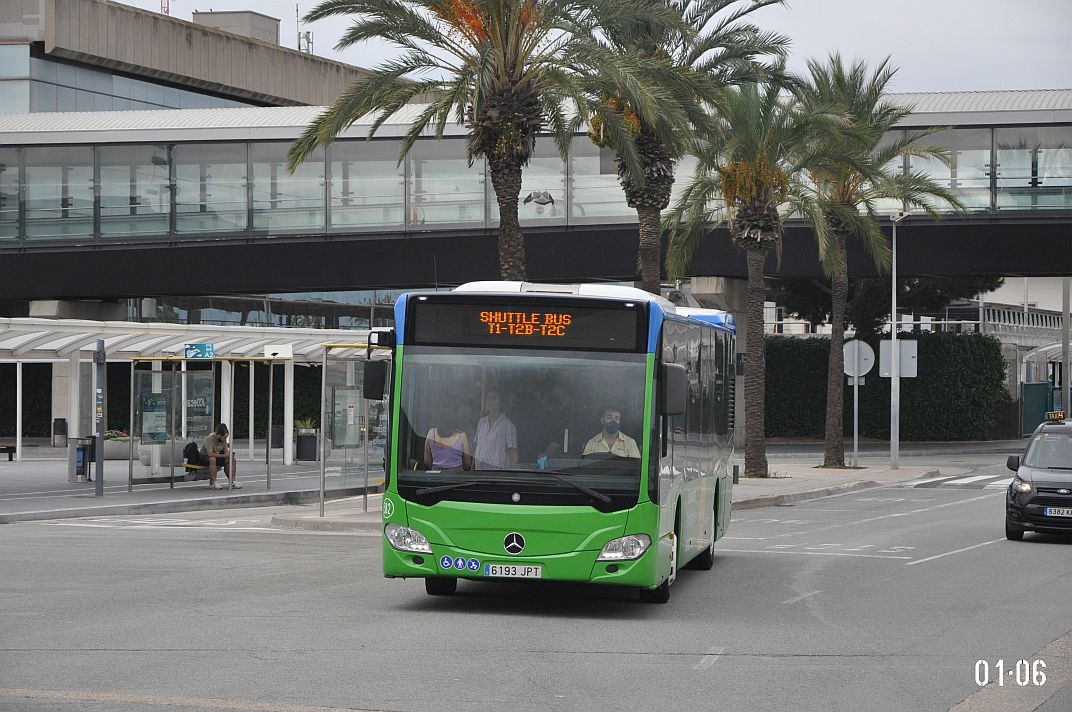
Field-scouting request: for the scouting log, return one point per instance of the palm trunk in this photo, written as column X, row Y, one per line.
column 755, row 390
column 650, row 248
column 506, row 179
column 834, row 450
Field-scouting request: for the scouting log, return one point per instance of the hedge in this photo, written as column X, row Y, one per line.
column 959, row 393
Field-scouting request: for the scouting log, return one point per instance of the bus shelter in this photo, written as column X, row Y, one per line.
column 355, row 429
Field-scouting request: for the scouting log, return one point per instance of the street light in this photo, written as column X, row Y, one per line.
column 895, row 354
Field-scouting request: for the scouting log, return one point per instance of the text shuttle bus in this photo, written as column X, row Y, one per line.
column 524, row 377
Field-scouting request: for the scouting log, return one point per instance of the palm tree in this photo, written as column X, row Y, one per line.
column 713, row 48
column 762, row 144
column 506, row 69
column 847, row 195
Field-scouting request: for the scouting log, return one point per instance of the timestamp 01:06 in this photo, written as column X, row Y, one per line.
column 1024, row 672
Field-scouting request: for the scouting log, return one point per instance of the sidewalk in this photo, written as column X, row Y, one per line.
column 790, row 482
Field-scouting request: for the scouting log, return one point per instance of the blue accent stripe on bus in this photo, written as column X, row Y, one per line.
column 400, row 318
column 655, row 323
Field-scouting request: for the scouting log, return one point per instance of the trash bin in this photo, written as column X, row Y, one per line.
column 85, row 453
column 59, row 432
column 306, row 450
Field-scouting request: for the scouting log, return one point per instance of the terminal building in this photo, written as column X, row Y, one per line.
column 145, row 181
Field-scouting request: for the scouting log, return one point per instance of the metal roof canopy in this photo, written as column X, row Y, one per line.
column 34, row 339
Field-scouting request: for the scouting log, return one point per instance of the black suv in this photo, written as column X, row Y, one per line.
column 1040, row 496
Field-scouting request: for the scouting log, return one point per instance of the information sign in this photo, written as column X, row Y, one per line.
column 192, row 351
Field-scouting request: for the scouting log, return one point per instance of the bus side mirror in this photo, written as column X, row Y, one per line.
column 1013, row 463
column 675, row 389
column 374, row 380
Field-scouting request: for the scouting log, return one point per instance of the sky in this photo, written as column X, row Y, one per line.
column 938, row 45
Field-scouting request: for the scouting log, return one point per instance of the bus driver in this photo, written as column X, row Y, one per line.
column 611, row 439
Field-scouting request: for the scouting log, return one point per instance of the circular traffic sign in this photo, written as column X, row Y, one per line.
column 859, row 358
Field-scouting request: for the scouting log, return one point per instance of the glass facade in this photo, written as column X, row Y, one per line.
column 283, row 201
column 29, row 83
column 968, row 175
column 1034, row 167
column 243, row 187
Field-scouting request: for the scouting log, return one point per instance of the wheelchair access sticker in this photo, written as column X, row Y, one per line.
column 459, row 563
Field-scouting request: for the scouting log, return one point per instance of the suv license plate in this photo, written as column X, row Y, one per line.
column 1057, row 511
column 512, row 571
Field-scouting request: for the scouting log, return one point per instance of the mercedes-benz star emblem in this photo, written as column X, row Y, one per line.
column 514, row 543
column 1064, row 491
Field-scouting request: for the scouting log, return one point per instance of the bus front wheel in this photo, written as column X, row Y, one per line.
column 440, row 586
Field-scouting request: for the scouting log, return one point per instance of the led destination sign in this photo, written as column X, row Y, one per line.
column 610, row 328
column 533, row 323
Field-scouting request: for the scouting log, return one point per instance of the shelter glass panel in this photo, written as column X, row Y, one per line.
column 9, row 193
column 284, row 201
column 595, row 195
column 135, row 190
column 543, row 188
column 356, row 428
column 444, row 189
column 59, row 191
column 367, row 185
column 968, row 175
column 210, row 187
column 1034, row 167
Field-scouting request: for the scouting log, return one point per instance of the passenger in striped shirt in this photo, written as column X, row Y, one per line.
column 496, row 436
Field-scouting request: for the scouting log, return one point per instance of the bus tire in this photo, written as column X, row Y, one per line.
column 441, row 586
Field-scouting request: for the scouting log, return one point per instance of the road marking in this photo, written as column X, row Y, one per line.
column 958, row 551
column 709, row 659
column 809, row 553
column 999, row 484
column 802, row 596
column 914, row 483
column 968, row 480
column 745, row 538
column 142, row 701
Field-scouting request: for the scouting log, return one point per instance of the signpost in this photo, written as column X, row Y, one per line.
column 859, row 360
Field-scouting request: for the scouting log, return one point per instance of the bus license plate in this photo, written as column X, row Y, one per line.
column 1058, row 511
column 512, row 571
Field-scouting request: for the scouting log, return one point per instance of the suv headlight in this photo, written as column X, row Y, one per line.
column 1020, row 485
column 406, row 539
column 625, row 548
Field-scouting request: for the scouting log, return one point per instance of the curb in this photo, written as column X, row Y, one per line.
column 777, row 499
column 182, row 505
column 326, row 524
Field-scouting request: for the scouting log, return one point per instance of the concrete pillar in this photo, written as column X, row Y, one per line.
column 18, row 411
column 288, row 412
column 251, row 403
column 227, row 393
column 74, row 416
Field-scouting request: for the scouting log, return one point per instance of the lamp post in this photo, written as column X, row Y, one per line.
column 895, row 354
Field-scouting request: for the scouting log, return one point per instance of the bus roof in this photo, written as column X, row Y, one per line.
column 606, row 291
column 722, row 320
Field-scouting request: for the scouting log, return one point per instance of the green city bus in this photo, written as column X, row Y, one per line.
column 554, row 432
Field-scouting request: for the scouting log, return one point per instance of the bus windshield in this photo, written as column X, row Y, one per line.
column 540, row 426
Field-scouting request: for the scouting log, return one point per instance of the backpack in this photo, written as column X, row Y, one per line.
column 192, row 454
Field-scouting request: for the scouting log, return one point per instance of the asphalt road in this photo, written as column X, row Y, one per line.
column 884, row 599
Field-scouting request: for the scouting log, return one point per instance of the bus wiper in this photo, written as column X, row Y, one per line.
column 444, row 488
column 587, row 490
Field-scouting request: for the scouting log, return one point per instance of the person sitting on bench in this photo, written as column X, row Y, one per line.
column 218, row 454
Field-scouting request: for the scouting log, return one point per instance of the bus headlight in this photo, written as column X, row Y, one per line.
column 625, row 548
column 406, row 539
column 1021, row 485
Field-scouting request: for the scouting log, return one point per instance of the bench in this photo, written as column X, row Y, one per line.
column 10, row 450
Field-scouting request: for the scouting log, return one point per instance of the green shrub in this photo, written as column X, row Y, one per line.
column 959, row 393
